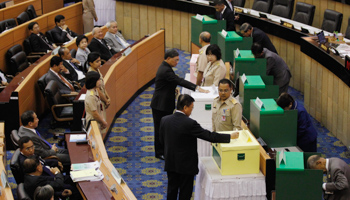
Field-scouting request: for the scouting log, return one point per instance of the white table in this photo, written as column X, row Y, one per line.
column 211, row 185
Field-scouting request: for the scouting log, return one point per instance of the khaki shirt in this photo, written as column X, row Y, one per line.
column 92, row 103
column 214, row 73
column 202, row 60
column 227, row 115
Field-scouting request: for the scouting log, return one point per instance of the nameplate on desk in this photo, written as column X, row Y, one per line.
column 288, row 25
column 238, row 10
column 237, row 53
column 13, row 98
column 259, row 103
column 304, row 30
column 224, row 33
column 4, row 181
column 199, row 17
column 282, row 158
column 127, row 51
column 244, row 79
column 324, row 47
column 262, row 15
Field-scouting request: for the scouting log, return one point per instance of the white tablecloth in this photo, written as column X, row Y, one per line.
column 211, row 185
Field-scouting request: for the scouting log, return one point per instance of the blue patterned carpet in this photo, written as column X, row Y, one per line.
column 130, row 143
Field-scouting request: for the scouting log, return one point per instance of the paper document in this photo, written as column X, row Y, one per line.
column 82, row 97
column 77, row 137
column 86, row 175
column 83, row 166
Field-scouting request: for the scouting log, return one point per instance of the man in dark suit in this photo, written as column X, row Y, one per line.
column 42, row 147
column 55, row 73
column 163, row 100
column 337, row 186
column 275, row 66
column 230, row 4
column 258, row 36
column 224, row 13
column 98, row 44
column 38, row 41
column 73, row 65
column 61, row 33
column 178, row 134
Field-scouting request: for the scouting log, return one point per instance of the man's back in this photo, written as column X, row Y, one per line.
column 338, row 171
column 260, row 36
column 277, row 67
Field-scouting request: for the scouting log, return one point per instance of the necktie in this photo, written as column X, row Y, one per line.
column 47, row 42
column 47, row 171
column 74, row 66
column 105, row 43
column 66, row 82
column 120, row 41
column 37, row 132
column 69, row 37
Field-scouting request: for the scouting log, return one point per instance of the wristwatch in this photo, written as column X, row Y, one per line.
column 56, row 172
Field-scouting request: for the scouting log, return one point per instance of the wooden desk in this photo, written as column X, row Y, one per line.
column 18, row 8
column 51, row 5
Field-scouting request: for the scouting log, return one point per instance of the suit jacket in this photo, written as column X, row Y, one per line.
column 232, row 4
column 47, row 162
column 97, row 46
column 73, row 75
column 41, row 148
column 32, row 182
column 229, row 17
column 38, row 44
column 276, row 67
column 82, row 55
column 113, row 42
column 64, row 89
column 178, row 135
column 166, row 81
column 338, row 180
column 60, row 36
column 260, row 36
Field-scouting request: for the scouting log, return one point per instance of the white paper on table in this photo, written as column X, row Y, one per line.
column 82, row 97
column 77, row 137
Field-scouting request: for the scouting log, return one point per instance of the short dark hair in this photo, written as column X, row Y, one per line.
column 171, row 53
column 58, row 18
column 205, row 36
column 55, row 61
column 215, row 50
column 184, row 100
column 43, row 192
column 257, row 48
column 61, row 51
column 284, row 100
column 93, row 56
column 245, row 27
column 27, row 117
column 80, row 38
column 31, row 25
column 30, row 164
column 22, row 141
column 218, row 2
column 91, row 79
column 226, row 81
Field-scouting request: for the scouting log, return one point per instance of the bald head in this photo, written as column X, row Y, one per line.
column 316, row 162
column 97, row 33
column 204, row 38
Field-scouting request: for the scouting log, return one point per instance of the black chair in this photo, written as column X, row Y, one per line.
column 49, row 36
column 283, row 8
column 7, row 24
column 15, row 138
column 31, row 12
column 3, row 4
column 239, row 3
column 22, row 18
column 347, row 32
column 42, row 84
column 21, row 193
column 304, row 13
column 263, row 5
column 9, row 54
column 73, row 52
column 332, row 21
column 16, row 167
column 19, row 62
column 28, row 49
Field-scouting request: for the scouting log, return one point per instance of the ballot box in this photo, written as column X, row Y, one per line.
column 193, row 66
column 277, row 127
column 294, row 180
column 240, row 156
column 231, row 42
column 253, row 87
column 245, row 63
column 209, row 24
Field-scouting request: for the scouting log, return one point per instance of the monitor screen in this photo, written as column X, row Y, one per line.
column 321, row 37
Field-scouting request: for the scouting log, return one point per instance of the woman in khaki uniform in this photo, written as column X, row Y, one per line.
column 215, row 70
column 93, row 106
column 89, row 14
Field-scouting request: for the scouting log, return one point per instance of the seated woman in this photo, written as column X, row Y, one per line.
column 93, row 104
column 306, row 133
column 215, row 70
column 82, row 51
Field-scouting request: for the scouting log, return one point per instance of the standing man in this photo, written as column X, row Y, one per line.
column 178, row 134
column 115, row 39
column 163, row 100
column 224, row 13
column 275, row 66
column 202, row 61
column 338, row 176
column 227, row 111
column 230, row 4
column 258, row 35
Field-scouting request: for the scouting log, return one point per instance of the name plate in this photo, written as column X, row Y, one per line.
column 238, row 10
column 324, row 47
column 224, row 33
column 288, row 25
column 127, row 51
column 244, row 79
column 259, row 103
column 237, row 53
column 199, row 17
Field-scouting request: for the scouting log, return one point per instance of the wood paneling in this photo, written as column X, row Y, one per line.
column 15, row 10
column 51, row 5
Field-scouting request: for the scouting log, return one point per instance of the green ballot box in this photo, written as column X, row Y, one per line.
column 231, row 42
column 277, row 127
column 211, row 25
column 247, row 64
column 253, row 87
column 294, row 180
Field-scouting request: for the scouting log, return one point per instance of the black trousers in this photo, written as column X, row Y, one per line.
column 179, row 185
column 157, row 116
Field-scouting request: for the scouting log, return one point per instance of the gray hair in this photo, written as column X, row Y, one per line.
column 312, row 160
column 44, row 192
column 109, row 24
column 245, row 27
column 94, row 30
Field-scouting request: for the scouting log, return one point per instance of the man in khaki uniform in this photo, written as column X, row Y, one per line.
column 227, row 111
column 204, row 40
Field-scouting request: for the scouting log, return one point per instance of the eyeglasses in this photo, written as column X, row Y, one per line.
column 224, row 91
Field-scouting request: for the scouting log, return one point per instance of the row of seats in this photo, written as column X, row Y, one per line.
column 25, row 16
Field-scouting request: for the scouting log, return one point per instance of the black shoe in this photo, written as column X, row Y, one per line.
column 161, row 157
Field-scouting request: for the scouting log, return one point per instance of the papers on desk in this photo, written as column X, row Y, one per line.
column 77, row 137
column 82, row 97
column 86, row 175
column 83, row 166
column 344, row 50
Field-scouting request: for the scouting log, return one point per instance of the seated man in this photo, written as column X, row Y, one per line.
column 73, row 65
column 275, row 66
column 55, row 73
column 42, row 147
column 258, row 35
column 38, row 41
column 27, row 147
column 337, row 186
column 224, row 13
column 61, row 33
column 35, row 177
column 4, row 78
column 98, row 44
column 44, row 193
column 115, row 39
